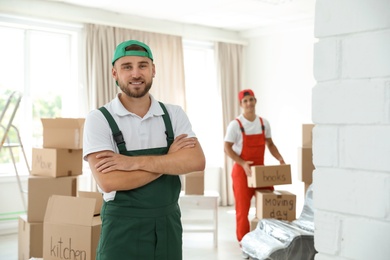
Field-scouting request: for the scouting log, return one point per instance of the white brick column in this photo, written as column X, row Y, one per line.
column 351, row 139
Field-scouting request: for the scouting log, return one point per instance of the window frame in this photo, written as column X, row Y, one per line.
column 73, row 34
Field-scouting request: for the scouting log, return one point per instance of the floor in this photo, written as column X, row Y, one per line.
column 195, row 245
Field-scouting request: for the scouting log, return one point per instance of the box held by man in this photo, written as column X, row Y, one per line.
column 269, row 175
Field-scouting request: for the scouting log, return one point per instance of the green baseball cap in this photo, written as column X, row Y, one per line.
column 120, row 50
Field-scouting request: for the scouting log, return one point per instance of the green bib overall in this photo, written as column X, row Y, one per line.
column 143, row 223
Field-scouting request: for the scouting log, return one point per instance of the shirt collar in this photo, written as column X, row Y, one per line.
column 154, row 110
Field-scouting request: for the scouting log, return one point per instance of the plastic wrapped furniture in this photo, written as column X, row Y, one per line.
column 281, row 240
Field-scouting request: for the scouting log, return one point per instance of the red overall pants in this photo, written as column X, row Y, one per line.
column 253, row 148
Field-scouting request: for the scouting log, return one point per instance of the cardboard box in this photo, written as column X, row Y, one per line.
column 56, row 162
column 41, row 188
column 30, row 239
column 67, row 235
column 63, row 132
column 253, row 223
column 275, row 204
column 307, row 135
column 93, row 195
column 305, row 164
column 307, row 185
column 194, row 183
column 269, row 175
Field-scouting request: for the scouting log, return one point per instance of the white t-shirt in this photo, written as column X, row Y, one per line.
column 234, row 134
column 139, row 133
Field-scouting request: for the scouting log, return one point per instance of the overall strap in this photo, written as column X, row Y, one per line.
column 243, row 130
column 241, row 127
column 116, row 133
column 118, row 136
column 168, row 125
column 262, row 124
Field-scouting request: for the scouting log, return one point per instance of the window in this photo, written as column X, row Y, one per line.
column 203, row 104
column 38, row 60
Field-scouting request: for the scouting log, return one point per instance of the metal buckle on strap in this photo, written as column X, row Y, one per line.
column 118, row 137
column 169, row 138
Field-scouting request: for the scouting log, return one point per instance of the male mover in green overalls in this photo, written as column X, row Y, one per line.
column 136, row 147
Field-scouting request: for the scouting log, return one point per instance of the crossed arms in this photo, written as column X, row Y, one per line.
column 114, row 172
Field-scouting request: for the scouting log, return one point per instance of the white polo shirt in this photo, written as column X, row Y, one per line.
column 234, row 134
column 139, row 133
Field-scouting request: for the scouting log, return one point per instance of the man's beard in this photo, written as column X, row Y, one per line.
column 137, row 94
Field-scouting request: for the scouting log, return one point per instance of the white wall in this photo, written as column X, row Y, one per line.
column 278, row 68
column 351, row 146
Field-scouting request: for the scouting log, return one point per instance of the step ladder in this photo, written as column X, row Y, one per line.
column 6, row 128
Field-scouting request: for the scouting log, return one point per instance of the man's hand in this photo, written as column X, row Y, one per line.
column 182, row 142
column 110, row 161
column 114, row 180
column 247, row 168
column 281, row 161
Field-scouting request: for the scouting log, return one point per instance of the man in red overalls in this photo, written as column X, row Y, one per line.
column 245, row 141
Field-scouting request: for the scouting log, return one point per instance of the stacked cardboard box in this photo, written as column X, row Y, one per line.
column 305, row 156
column 72, row 226
column 277, row 204
column 54, row 171
column 194, row 183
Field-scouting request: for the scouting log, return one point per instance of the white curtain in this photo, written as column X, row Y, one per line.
column 100, row 43
column 229, row 57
